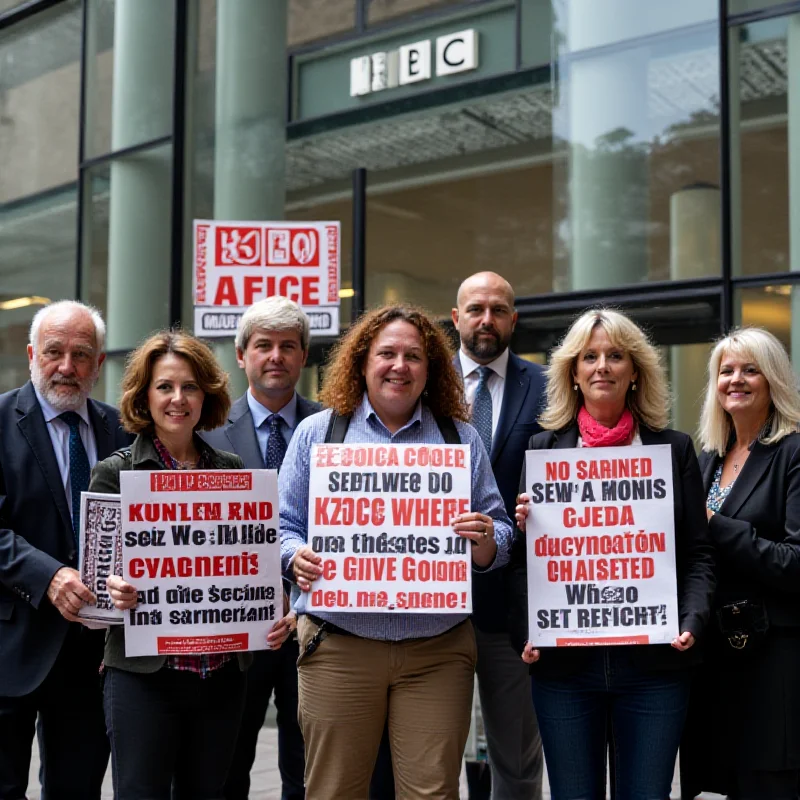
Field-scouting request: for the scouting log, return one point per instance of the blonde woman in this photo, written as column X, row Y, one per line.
column 606, row 387
column 743, row 736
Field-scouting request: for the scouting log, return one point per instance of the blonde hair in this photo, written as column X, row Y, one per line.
column 649, row 404
column 768, row 354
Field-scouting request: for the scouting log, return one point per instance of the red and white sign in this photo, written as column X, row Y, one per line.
column 601, row 546
column 381, row 518
column 238, row 263
column 203, row 551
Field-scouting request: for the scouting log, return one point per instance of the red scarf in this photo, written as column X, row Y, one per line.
column 594, row 434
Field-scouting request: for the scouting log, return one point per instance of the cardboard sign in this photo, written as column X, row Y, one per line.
column 381, row 515
column 601, row 546
column 239, row 263
column 203, row 550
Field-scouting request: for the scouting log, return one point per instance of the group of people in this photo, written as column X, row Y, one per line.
column 373, row 704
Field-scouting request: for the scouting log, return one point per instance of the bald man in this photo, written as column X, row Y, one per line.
column 505, row 394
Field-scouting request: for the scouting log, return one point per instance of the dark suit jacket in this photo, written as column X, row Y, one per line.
column 694, row 561
column 522, row 400
column 239, row 436
column 757, row 530
column 36, row 537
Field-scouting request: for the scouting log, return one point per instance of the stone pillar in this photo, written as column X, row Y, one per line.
column 602, row 119
column 251, row 98
column 140, row 195
column 695, row 251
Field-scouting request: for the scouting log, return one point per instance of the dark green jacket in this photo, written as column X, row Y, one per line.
column 105, row 479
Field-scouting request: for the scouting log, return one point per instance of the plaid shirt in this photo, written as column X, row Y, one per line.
column 204, row 664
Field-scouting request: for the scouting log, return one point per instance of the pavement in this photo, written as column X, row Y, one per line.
column 265, row 779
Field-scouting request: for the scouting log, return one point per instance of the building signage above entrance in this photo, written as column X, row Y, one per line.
column 411, row 63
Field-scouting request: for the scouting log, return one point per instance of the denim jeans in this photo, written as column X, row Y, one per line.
column 611, row 707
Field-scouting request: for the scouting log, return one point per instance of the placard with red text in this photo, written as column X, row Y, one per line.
column 381, row 516
column 238, row 263
column 202, row 549
column 601, row 546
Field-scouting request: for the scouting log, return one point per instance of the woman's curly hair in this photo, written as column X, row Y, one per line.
column 344, row 384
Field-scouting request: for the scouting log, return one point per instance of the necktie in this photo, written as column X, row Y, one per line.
column 78, row 467
column 482, row 408
column 276, row 444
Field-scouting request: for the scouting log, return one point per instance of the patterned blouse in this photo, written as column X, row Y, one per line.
column 204, row 664
column 716, row 494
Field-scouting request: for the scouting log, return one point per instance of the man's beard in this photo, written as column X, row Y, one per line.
column 49, row 388
column 486, row 347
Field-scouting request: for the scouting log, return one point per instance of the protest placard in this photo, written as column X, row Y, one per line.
column 238, row 263
column 601, row 546
column 203, row 551
column 100, row 551
column 380, row 516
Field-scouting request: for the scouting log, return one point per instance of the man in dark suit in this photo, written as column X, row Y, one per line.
column 272, row 348
column 505, row 394
column 51, row 434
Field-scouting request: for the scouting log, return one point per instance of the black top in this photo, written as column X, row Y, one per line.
column 693, row 552
column 757, row 530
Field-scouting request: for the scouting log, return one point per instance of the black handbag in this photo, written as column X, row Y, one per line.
column 743, row 624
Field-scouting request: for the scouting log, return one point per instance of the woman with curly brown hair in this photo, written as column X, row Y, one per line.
column 392, row 376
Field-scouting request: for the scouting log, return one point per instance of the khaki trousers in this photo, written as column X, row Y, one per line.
column 350, row 686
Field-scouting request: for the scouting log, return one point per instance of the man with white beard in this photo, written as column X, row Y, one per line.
column 51, row 435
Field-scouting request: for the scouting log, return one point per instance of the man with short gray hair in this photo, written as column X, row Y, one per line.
column 51, row 435
column 271, row 347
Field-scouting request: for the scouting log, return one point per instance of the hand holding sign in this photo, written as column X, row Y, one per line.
column 479, row 529
column 521, row 511
column 122, row 593
column 306, row 567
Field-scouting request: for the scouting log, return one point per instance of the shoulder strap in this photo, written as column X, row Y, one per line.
column 448, row 430
column 339, row 423
column 124, row 453
column 337, row 428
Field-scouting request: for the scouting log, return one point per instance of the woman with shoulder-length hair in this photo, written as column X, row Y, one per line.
column 391, row 378
column 606, row 387
column 743, row 734
column 172, row 720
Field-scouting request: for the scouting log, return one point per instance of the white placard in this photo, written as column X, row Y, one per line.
column 100, row 553
column 238, row 263
column 601, row 546
column 380, row 516
column 203, row 550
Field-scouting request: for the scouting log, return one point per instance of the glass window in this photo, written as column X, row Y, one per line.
column 127, row 246
column 39, row 100
column 772, row 308
column 129, row 73
column 8, row 5
column 310, row 20
column 744, row 6
column 765, row 146
column 381, row 10
column 636, row 144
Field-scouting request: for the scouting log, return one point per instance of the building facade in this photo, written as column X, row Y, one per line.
column 644, row 155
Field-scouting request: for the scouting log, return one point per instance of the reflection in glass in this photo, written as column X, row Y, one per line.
column 129, row 73
column 765, row 145
column 310, row 20
column 39, row 98
column 774, row 308
column 633, row 123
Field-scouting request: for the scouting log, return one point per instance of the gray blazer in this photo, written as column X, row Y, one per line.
column 142, row 454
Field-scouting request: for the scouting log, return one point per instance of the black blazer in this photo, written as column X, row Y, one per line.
column 522, row 402
column 757, row 530
column 238, row 435
column 693, row 552
column 36, row 537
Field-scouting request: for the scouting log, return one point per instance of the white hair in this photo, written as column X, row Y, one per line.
column 69, row 305
column 273, row 314
column 768, row 354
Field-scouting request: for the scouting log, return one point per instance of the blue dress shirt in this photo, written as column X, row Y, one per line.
column 366, row 427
